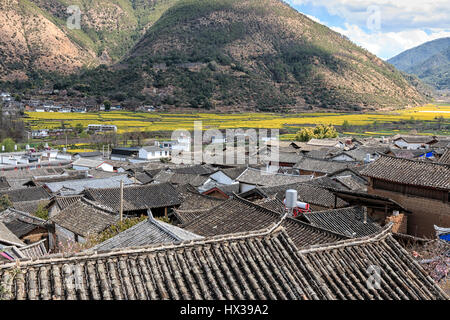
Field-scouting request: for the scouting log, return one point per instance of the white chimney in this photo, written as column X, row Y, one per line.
column 367, row 158
column 15, row 147
column 396, row 212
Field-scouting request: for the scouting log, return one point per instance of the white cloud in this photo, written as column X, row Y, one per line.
column 396, row 15
column 388, row 44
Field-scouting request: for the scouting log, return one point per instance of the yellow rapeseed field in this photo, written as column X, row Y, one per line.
column 140, row 121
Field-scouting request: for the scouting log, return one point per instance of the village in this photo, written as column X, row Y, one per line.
column 283, row 220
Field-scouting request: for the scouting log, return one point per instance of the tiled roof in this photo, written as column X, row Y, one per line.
column 8, row 237
column 30, row 206
column 144, row 197
column 418, row 173
column 26, row 194
column 32, row 251
column 322, row 166
column 346, row 221
column 248, row 266
column 193, row 179
column 150, row 231
column 445, row 158
column 262, row 178
column 307, row 193
column 233, row 173
column 194, row 201
column 347, row 267
column 197, row 169
column 84, row 218
column 416, row 139
column 239, row 215
column 78, row 186
column 21, row 227
column 323, row 142
column 12, row 214
column 64, row 202
column 4, row 183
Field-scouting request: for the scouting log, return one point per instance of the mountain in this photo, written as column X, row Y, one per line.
column 232, row 54
column 430, row 62
column 34, row 35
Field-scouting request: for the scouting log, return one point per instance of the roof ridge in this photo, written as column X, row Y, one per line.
column 152, row 219
column 383, row 234
column 273, row 229
column 412, row 160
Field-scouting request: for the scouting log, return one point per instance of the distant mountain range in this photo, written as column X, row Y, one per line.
column 430, row 62
column 260, row 54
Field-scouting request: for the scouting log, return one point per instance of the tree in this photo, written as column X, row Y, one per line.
column 345, row 125
column 79, row 128
column 9, row 144
column 107, row 105
column 41, row 212
column 319, row 132
column 5, row 203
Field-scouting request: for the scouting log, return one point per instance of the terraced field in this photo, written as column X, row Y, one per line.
column 131, row 121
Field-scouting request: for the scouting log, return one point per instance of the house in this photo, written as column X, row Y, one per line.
column 75, row 187
column 101, row 128
column 148, row 232
column 352, row 222
column 445, row 157
column 317, row 197
column 32, row 251
column 414, row 142
column 330, row 143
column 26, row 194
column 26, row 226
column 8, row 238
column 154, row 153
column 252, row 178
column 421, row 187
column 239, row 215
column 257, row 265
column 220, row 191
column 93, row 155
column 123, row 154
column 137, row 200
column 78, row 221
column 87, row 164
column 321, row 167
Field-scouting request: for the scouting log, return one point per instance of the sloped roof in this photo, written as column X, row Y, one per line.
column 150, row 231
column 347, row 267
column 4, row 183
column 84, row 218
column 26, row 194
column 239, row 215
column 321, row 165
column 233, row 173
column 346, row 221
column 416, row 139
column 8, row 237
column 21, row 227
column 308, row 193
column 263, row 178
column 197, row 169
column 418, row 173
column 144, row 197
column 445, row 158
column 77, row 186
column 195, row 200
column 324, row 142
column 30, row 206
column 247, row 266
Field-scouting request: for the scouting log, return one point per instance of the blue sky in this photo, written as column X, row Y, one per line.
column 384, row 27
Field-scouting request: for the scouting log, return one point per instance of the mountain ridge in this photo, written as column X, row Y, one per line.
column 261, row 54
column 429, row 61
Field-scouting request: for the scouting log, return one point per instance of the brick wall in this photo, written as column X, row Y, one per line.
column 425, row 212
column 400, row 223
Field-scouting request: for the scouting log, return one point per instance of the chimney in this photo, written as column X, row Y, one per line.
column 365, row 216
column 367, row 160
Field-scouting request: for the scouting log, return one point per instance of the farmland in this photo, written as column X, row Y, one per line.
column 152, row 122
